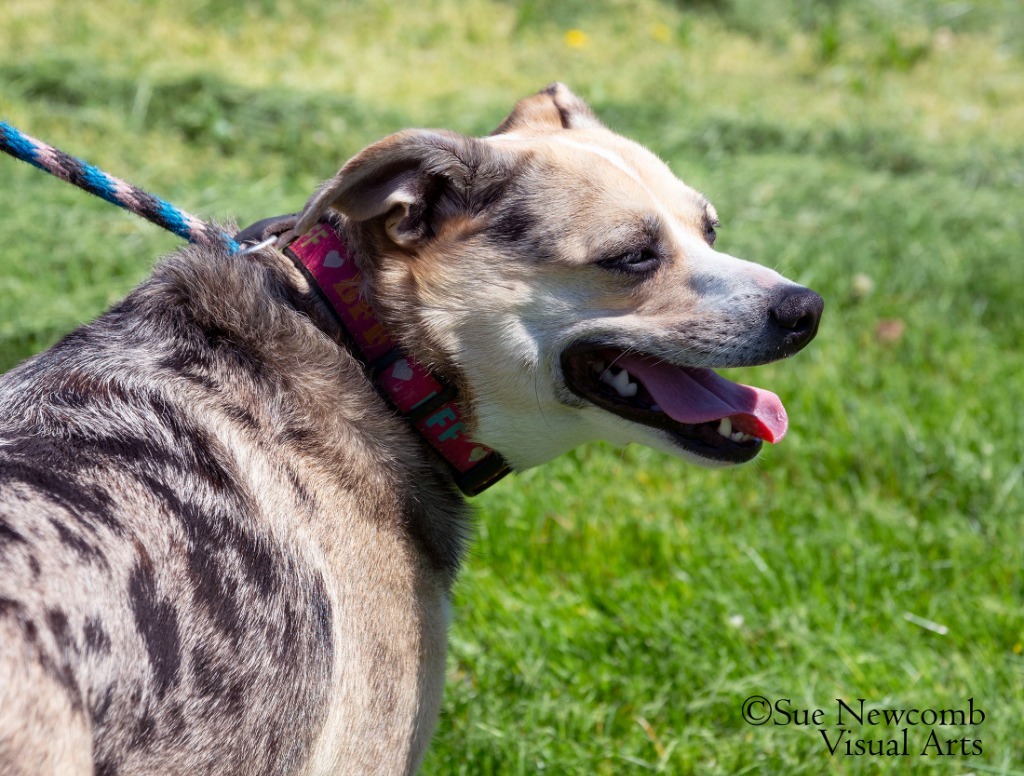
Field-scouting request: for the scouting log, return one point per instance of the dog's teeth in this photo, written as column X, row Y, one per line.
column 725, row 428
column 623, row 384
column 619, row 382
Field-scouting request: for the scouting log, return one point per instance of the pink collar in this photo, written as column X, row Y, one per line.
column 428, row 404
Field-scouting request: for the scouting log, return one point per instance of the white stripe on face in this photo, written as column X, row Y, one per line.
column 607, row 155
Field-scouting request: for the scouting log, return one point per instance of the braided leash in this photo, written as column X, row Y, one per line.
column 111, row 189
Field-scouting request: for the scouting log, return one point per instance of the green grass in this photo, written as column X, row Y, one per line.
column 618, row 606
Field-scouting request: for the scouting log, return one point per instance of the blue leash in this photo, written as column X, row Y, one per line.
column 111, row 189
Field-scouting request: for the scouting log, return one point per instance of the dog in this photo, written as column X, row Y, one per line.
column 224, row 549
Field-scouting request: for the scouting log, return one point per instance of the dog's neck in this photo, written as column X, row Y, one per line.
column 429, row 405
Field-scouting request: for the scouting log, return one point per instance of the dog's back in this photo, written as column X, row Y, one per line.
column 163, row 479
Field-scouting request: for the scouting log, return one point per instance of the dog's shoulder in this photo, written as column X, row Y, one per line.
column 165, row 473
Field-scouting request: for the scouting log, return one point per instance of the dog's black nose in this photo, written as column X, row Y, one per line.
column 796, row 312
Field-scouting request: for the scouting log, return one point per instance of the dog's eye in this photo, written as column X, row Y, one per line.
column 641, row 261
column 710, row 235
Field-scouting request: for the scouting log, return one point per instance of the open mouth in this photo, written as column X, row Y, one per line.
column 702, row 411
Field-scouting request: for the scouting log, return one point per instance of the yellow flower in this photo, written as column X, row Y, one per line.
column 577, row 39
column 661, row 33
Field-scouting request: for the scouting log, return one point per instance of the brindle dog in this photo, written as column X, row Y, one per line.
column 222, row 552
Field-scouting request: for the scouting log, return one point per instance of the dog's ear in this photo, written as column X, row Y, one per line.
column 415, row 178
column 552, row 108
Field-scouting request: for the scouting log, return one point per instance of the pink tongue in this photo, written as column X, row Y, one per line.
column 700, row 396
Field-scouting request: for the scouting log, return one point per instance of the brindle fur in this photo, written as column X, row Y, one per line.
column 220, row 552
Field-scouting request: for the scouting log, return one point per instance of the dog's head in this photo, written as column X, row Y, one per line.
column 567, row 282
